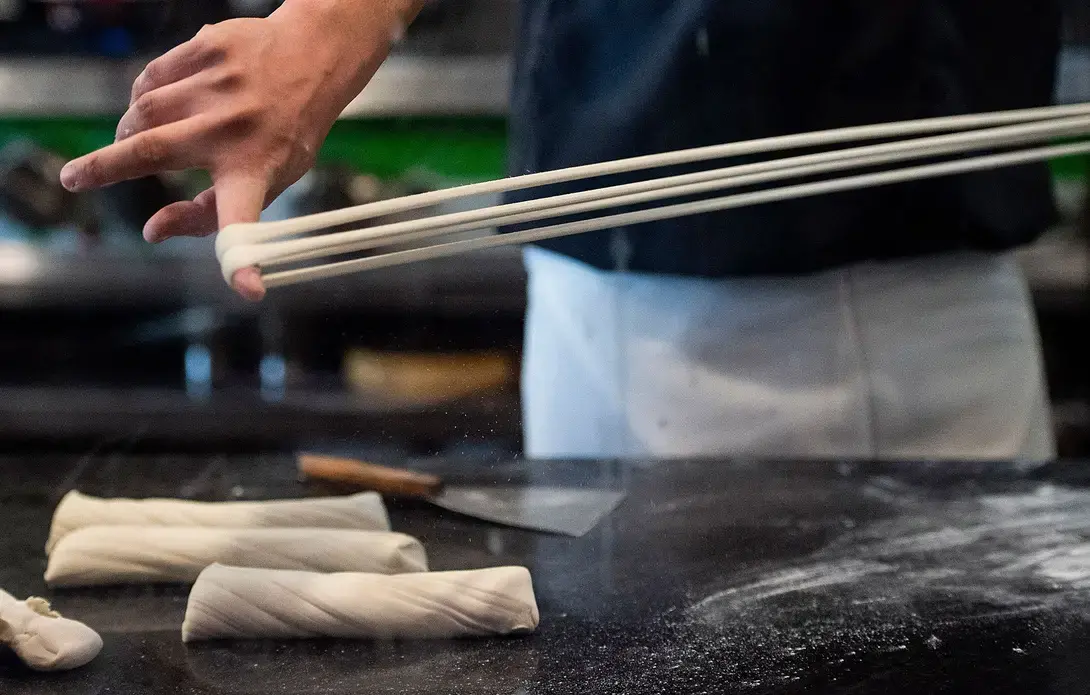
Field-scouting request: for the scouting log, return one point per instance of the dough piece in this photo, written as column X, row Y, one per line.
column 241, row 602
column 98, row 555
column 42, row 638
column 364, row 512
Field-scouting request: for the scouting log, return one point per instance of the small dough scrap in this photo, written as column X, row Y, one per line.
column 43, row 639
column 363, row 512
column 101, row 555
column 241, row 603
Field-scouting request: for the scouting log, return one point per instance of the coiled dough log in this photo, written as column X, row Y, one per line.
column 100, row 555
column 364, row 511
column 43, row 639
column 240, row 603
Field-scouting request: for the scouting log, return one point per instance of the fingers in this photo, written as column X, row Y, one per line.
column 168, row 148
column 247, row 282
column 241, row 198
column 186, row 218
column 244, row 198
column 176, row 64
column 173, row 102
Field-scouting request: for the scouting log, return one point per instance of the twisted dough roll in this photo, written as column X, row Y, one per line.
column 238, row 602
column 99, row 555
column 364, row 512
column 42, row 638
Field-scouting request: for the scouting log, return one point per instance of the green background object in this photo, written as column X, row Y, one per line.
column 1072, row 168
column 461, row 149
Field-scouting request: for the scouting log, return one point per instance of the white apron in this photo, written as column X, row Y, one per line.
column 929, row 358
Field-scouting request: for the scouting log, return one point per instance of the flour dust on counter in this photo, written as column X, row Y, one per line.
column 921, row 579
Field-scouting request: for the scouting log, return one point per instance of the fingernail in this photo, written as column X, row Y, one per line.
column 70, row 177
column 247, row 282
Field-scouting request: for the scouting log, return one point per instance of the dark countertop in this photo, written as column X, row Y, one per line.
column 711, row 577
column 74, row 413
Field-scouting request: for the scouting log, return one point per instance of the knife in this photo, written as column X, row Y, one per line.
column 562, row 510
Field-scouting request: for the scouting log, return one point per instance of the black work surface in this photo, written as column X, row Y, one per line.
column 710, row 577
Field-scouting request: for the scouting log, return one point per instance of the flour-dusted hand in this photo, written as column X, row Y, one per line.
column 250, row 101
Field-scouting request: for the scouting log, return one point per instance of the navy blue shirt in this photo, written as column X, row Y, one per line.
column 598, row 80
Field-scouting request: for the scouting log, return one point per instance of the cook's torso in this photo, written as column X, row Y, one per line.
column 604, row 79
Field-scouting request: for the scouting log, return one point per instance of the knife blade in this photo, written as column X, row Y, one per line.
column 563, row 510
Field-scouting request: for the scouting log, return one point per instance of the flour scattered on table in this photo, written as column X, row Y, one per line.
column 817, row 576
column 933, row 570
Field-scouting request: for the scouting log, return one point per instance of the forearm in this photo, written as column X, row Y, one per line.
column 354, row 35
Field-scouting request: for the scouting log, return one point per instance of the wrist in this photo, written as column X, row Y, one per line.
column 384, row 20
column 347, row 39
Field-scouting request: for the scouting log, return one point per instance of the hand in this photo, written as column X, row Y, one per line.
column 248, row 100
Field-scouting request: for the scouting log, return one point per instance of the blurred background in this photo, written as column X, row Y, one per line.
column 106, row 340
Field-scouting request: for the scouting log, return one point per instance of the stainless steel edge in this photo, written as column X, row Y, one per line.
column 1057, row 267
column 64, row 86
column 491, row 281
column 404, row 86
column 436, row 86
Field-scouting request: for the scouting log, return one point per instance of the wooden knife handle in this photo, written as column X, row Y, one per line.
column 390, row 481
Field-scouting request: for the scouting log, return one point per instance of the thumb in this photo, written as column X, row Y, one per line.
column 241, row 198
